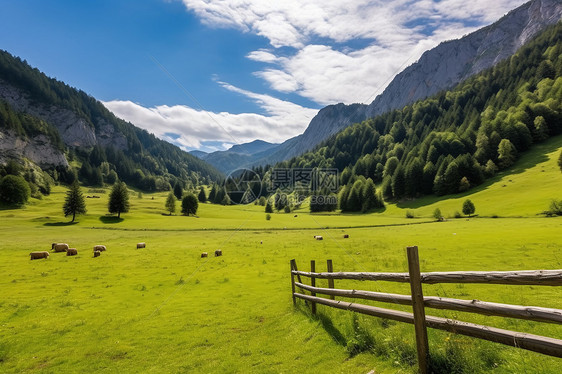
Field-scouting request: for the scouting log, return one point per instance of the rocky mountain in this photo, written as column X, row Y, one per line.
column 47, row 122
column 438, row 69
column 238, row 156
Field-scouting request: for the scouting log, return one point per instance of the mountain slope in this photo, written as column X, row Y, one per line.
column 456, row 139
column 438, row 69
column 89, row 132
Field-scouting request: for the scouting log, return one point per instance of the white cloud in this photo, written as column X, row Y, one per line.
column 396, row 34
column 194, row 127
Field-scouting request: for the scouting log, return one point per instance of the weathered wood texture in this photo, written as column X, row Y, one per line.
column 540, row 344
column 293, row 281
column 330, row 268
column 531, row 313
column 523, row 277
column 313, row 284
column 418, row 308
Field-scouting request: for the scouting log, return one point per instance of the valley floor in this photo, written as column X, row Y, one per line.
column 166, row 309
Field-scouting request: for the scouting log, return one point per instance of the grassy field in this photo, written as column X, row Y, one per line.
column 165, row 309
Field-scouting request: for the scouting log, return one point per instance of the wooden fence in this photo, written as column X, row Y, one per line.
column 540, row 344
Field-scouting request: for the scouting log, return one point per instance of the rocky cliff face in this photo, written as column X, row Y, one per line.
column 438, row 69
column 39, row 150
column 454, row 61
column 75, row 131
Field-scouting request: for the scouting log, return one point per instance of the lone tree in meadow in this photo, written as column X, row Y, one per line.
column 189, row 204
column 171, row 203
column 74, row 203
column 468, row 207
column 119, row 199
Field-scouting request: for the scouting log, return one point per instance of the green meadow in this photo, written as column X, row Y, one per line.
column 166, row 309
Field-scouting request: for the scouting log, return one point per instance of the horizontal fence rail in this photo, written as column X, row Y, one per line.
column 532, row 313
column 535, row 343
column 520, row 278
column 545, row 345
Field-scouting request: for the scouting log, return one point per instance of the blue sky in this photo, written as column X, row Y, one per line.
column 206, row 74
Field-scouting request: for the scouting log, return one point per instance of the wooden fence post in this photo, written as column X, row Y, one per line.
column 330, row 280
column 293, row 282
column 313, row 284
column 418, row 307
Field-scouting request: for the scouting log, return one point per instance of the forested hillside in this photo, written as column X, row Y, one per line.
column 456, row 139
column 105, row 146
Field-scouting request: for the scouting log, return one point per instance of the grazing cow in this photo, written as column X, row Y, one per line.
column 97, row 253
column 346, row 236
column 141, row 245
column 59, row 247
column 218, row 253
column 39, row 254
column 318, row 237
column 71, row 252
column 100, row 248
column 296, row 215
column 204, row 254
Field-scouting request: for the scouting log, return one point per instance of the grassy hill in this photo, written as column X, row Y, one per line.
column 165, row 309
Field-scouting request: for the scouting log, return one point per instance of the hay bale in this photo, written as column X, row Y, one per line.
column 141, row 245
column 218, row 253
column 39, row 254
column 99, row 247
column 59, row 247
column 97, row 253
column 72, row 252
column 204, row 254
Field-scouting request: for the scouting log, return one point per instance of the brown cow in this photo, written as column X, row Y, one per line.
column 346, row 236
column 39, row 254
column 204, row 254
column 100, row 248
column 97, row 253
column 141, row 245
column 218, row 253
column 71, row 252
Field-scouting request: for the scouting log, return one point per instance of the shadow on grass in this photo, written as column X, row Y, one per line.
column 4, row 206
column 60, row 223
column 110, row 219
column 325, row 321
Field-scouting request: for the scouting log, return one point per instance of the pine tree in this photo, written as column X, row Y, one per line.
column 119, row 199
column 370, row 199
column 74, row 203
column 268, row 207
column 213, row 193
column 202, row 197
column 171, row 203
column 398, row 182
column 178, row 190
